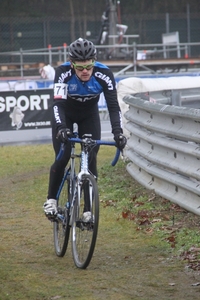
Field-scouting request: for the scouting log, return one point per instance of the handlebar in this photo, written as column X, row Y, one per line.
column 60, row 153
column 115, row 160
column 93, row 142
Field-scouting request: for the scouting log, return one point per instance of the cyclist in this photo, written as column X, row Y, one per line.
column 78, row 84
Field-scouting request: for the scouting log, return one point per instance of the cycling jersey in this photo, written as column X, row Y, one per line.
column 72, row 94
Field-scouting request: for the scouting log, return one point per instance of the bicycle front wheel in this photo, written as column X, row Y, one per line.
column 84, row 229
column 61, row 228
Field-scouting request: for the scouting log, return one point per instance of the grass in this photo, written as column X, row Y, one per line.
column 157, row 216
column 143, row 240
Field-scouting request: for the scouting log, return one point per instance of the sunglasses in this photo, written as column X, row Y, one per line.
column 81, row 68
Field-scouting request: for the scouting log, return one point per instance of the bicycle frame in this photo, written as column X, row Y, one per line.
column 70, row 172
column 82, row 197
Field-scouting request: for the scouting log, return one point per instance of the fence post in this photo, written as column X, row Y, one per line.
column 65, row 51
column 50, row 54
column 186, row 52
column 188, row 27
column 21, row 62
column 135, row 57
column 59, row 53
column 167, row 22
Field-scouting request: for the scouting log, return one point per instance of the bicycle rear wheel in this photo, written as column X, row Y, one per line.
column 61, row 228
column 84, row 234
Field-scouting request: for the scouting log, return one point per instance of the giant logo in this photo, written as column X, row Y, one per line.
column 106, row 79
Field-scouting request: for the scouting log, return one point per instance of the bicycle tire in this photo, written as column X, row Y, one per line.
column 61, row 228
column 84, row 235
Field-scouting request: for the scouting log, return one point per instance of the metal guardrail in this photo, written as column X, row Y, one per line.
column 189, row 97
column 164, row 150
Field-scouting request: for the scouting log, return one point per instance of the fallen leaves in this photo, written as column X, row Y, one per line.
column 128, row 215
column 172, row 240
column 108, row 203
column 192, row 256
column 162, row 215
column 144, row 222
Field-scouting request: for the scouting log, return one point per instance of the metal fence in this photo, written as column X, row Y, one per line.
column 121, row 58
column 33, row 33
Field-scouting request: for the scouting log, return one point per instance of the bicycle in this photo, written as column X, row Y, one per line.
column 77, row 193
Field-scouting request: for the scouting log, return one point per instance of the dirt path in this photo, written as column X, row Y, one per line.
column 128, row 263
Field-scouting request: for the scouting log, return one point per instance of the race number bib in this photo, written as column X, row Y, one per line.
column 60, row 90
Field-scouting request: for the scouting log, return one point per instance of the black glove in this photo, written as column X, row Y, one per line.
column 64, row 134
column 120, row 140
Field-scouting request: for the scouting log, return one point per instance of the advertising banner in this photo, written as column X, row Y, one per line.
column 29, row 109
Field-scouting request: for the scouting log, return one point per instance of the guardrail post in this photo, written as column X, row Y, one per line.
column 176, row 98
